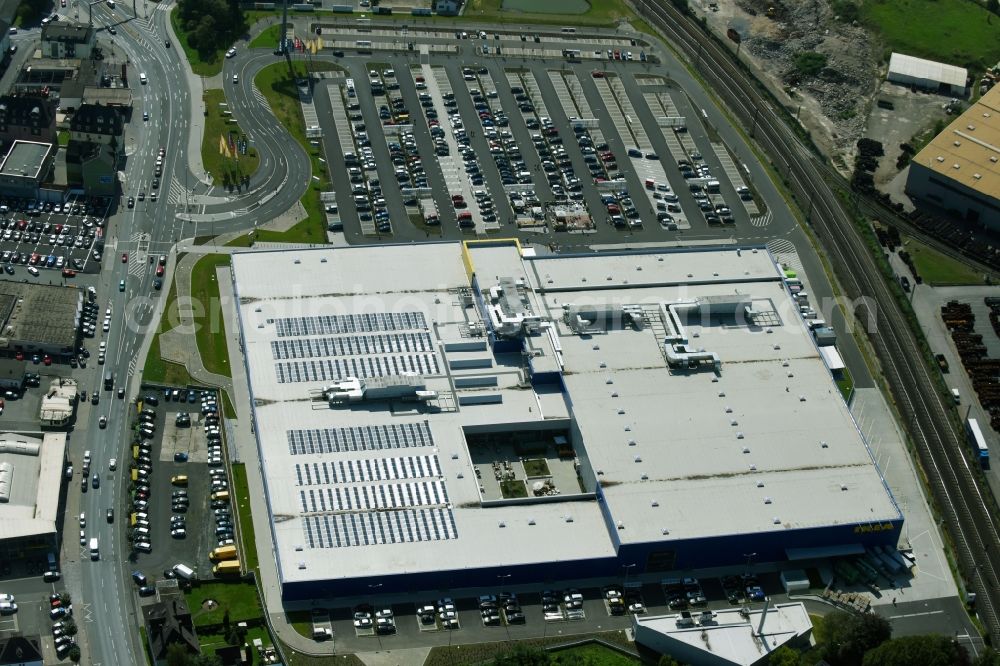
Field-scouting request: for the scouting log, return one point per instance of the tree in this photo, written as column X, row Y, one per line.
column 523, row 655
column 809, row 63
column 205, row 660
column 667, row 660
column 177, row 655
column 929, row 650
column 845, row 10
column 988, row 657
column 849, row 637
column 74, row 654
column 784, row 656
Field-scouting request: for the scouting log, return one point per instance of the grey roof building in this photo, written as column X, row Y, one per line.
column 480, row 411
column 67, row 39
column 168, row 621
column 39, row 317
column 21, row 651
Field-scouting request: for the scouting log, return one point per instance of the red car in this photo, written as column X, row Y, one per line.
column 68, row 272
column 19, row 356
column 47, row 360
column 598, row 75
column 159, row 271
column 124, row 257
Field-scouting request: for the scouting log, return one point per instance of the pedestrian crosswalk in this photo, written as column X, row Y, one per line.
column 761, row 220
column 139, row 257
column 176, row 193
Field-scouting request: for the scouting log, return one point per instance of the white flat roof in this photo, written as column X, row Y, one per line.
column 729, row 637
column 766, row 444
column 907, row 65
column 832, row 357
column 33, row 503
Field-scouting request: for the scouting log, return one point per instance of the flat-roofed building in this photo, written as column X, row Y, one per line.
column 728, row 637
column 39, row 318
column 68, row 39
column 480, row 412
column 31, row 473
column 959, row 170
column 24, row 168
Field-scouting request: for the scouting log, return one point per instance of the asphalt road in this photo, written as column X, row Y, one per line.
column 148, row 229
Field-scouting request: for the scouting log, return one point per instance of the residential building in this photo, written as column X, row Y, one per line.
column 27, row 117
column 67, row 39
column 21, row 651
column 168, row 621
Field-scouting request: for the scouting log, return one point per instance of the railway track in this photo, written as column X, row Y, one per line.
column 923, row 408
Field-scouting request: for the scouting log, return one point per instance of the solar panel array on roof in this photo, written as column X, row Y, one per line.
column 383, row 527
column 365, row 366
column 378, row 497
column 355, row 345
column 351, row 323
column 368, row 469
column 360, row 438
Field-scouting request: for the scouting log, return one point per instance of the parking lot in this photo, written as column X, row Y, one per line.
column 66, row 237
column 600, row 145
column 176, row 454
column 523, row 613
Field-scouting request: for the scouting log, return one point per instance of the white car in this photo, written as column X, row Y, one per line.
column 231, row 52
column 9, row 598
column 83, row 538
column 178, row 533
column 33, row 271
column 113, row 464
column 83, row 520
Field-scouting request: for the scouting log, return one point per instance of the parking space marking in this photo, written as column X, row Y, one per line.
column 488, row 88
column 667, row 118
column 452, row 166
column 736, row 178
column 620, row 96
column 345, row 137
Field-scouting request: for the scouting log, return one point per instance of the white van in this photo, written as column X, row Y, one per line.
column 95, row 553
column 185, row 572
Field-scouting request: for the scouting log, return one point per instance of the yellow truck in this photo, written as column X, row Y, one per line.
column 223, row 553
column 227, row 568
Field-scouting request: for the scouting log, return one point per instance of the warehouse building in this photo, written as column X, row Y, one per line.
column 31, row 470
column 542, row 418
column 959, row 170
column 938, row 77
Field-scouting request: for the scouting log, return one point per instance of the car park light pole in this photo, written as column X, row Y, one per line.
column 749, row 557
column 506, row 625
column 371, row 591
column 627, row 568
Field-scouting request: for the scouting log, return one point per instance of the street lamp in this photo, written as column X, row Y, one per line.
column 749, row 557
column 627, row 567
column 503, row 579
column 371, row 591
